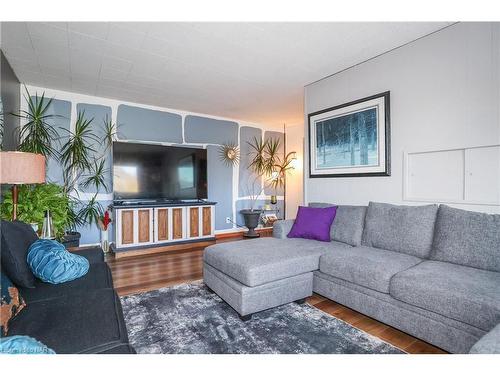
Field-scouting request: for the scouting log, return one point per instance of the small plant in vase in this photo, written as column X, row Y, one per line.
column 103, row 223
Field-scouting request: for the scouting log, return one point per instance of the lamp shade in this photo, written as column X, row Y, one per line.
column 18, row 168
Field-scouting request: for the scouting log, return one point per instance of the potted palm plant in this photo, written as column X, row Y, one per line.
column 269, row 169
column 82, row 165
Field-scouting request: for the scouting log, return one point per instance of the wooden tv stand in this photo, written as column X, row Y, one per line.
column 153, row 224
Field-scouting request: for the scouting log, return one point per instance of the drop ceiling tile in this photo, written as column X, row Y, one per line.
column 59, row 25
column 135, row 26
column 26, row 54
column 123, row 36
column 116, row 75
column 40, row 30
column 15, row 34
column 59, row 80
column 87, row 43
column 97, row 30
column 84, row 87
column 52, row 60
column 34, row 78
column 85, row 62
column 115, row 63
column 110, row 83
column 55, row 72
column 20, row 64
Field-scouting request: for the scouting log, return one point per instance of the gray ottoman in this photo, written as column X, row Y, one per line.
column 255, row 275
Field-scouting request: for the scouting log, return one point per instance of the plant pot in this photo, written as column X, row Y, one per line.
column 251, row 218
column 71, row 239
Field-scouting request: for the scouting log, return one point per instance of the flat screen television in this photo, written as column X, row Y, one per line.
column 155, row 172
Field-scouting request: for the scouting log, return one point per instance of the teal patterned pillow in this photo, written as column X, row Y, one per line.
column 23, row 345
column 12, row 302
column 52, row 263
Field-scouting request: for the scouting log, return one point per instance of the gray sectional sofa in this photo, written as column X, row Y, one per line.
column 433, row 272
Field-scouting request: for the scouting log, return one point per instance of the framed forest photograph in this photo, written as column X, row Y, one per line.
column 351, row 139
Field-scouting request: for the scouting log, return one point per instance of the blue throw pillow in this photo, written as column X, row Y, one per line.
column 23, row 345
column 52, row 263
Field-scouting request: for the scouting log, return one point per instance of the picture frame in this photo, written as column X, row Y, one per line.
column 351, row 139
column 269, row 219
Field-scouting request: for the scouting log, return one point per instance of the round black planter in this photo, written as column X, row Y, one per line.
column 251, row 219
column 71, row 239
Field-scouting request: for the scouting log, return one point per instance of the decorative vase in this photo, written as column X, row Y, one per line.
column 105, row 241
column 251, row 218
column 48, row 232
column 274, row 199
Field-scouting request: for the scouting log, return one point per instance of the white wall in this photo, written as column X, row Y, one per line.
column 445, row 94
column 294, row 180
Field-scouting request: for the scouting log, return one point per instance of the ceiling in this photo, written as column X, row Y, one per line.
column 248, row 71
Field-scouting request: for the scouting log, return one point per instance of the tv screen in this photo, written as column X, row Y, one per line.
column 143, row 171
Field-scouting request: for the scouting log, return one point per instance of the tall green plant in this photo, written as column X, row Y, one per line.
column 80, row 165
column 34, row 200
column 36, row 134
column 76, row 151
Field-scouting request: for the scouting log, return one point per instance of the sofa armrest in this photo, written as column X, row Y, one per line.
column 282, row 227
column 489, row 343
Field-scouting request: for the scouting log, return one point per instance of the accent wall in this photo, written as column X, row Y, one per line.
column 141, row 123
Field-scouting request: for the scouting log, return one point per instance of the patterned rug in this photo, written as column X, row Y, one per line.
column 190, row 319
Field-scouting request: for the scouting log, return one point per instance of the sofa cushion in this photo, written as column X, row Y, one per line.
column 98, row 277
column 93, row 254
column 489, row 343
column 348, row 224
column 313, row 223
column 11, row 302
column 259, row 261
column 17, row 237
column 405, row 229
column 366, row 266
column 89, row 322
column 466, row 294
column 467, row 238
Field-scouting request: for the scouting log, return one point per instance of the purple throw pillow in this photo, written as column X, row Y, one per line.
column 313, row 223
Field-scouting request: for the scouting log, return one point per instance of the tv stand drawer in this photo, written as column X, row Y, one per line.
column 163, row 224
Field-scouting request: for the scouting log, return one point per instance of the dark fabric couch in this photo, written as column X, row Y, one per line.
column 81, row 316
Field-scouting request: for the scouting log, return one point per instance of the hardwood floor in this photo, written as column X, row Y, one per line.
column 148, row 272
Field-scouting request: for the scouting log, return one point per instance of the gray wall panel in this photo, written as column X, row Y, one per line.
column 143, row 124
column 279, row 135
column 62, row 110
column 98, row 113
column 220, row 188
column 199, row 129
column 246, row 178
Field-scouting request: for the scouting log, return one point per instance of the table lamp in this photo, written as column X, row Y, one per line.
column 19, row 168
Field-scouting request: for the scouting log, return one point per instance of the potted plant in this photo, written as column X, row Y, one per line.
column 269, row 169
column 34, row 200
column 81, row 164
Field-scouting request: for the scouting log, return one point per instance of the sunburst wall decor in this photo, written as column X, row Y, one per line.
column 229, row 154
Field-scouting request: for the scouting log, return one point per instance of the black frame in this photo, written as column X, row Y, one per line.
column 387, row 115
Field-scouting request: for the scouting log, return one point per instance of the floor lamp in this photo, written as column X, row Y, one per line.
column 19, row 168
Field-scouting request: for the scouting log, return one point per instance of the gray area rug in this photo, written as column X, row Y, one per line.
column 190, row 319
